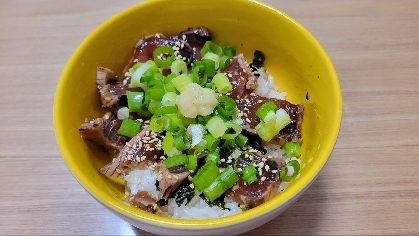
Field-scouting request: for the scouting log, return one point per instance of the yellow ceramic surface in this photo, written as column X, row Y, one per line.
column 294, row 57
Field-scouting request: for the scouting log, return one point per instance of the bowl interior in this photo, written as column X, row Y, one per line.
column 296, row 60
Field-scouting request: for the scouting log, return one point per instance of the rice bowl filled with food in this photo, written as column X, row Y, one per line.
column 193, row 129
column 184, row 118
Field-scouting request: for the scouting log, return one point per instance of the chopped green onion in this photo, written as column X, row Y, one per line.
column 210, row 46
column 164, row 56
column 135, row 101
column 139, row 72
column 226, row 106
column 212, row 142
column 181, row 142
column 193, row 162
column 236, row 154
column 230, row 144
column 178, row 67
column 265, row 109
column 229, row 51
column 209, row 67
column 167, row 143
column 169, row 78
column 181, row 82
column 265, row 133
column 224, row 62
column 213, row 57
column 222, row 83
column 241, row 140
column 224, row 181
column 232, row 131
column 282, row 119
column 199, row 75
column 129, row 127
column 155, row 93
column 249, row 174
column 177, row 160
column 159, row 123
column 169, row 99
column 216, row 126
column 153, row 104
column 205, row 175
column 214, row 156
column 289, row 171
column 165, row 110
column 292, row 149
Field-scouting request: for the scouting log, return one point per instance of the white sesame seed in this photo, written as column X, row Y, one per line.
column 263, row 178
column 274, row 171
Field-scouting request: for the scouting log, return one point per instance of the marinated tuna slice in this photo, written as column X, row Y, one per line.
column 110, row 87
column 169, row 180
column 187, row 45
column 144, row 49
column 194, row 39
column 265, row 188
column 144, row 200
column 250, row 104
column 240, row 76
column 104, row 132
column 140, row 152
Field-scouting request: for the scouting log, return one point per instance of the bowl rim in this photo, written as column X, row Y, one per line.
column 166, row 222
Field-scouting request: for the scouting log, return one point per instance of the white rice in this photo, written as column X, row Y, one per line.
column 267, row 87
column 197, row 208
column 144, row 180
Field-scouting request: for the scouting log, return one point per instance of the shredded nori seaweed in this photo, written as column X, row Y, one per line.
column 254, row 141
column 217, row 202
column 184, row 192
column 122, row 101
column 258, row 60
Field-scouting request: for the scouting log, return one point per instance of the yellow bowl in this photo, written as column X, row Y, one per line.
column 299, row 64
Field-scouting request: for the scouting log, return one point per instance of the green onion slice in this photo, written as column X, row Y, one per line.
column 210, row 46
column 292, row 149
column 159, row 123
column 209, row 67
column 193, row 162
column 135, row 101
column 163, row 110
column 283, row 173
column 177, row 160
column 222, row 84
column 229, row 51
column 224, row 62
column 213, row 57
column 167, row 143
column 129, row 127
column 265, row 109
column 224, row 181
column 282, row 119
column 205, row 175
column 233, row 130
column 178, row 67
column 199, row 75
column 249, row 174
column 241, row 140
column 216, row 126
column 226, row 106
column 164, row 56
column 214, row 156
column 181, row 82
column 212, row 142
